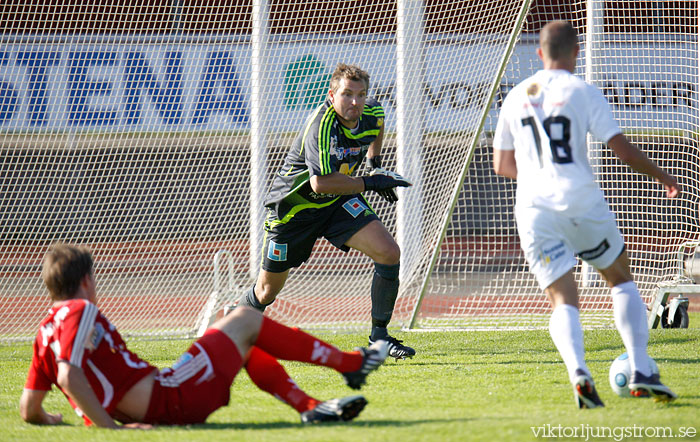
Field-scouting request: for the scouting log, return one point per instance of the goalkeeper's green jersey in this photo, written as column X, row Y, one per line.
column 323, row 146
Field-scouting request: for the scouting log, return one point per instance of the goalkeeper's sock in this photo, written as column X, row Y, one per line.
column 385, row 288
column 250, row 300
column 270, row 376
column 292, row 344
column 567, row 334
column 379, row 331
column 630, row 314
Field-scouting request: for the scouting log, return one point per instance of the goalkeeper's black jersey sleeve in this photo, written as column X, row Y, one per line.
column 322, row 147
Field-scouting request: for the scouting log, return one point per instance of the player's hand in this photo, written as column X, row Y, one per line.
column 52, row 418
column 382, row 181
column 389, row 195
column 673, row 189
column 374, row 163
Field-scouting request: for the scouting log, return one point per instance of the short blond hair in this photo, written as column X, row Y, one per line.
column 64, row 268
column 349, row 72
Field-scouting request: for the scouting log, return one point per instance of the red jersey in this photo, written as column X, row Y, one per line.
column 76, row 332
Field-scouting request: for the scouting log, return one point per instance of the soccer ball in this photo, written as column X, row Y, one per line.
column 620, row 374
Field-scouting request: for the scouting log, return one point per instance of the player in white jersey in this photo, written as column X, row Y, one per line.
column 561, row 212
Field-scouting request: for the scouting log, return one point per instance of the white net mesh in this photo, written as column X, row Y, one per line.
column 149, row 133
column 644, row 57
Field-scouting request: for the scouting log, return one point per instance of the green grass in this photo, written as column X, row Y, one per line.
column 481, row 385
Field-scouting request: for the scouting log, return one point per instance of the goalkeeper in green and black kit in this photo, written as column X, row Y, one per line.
column 315, row 195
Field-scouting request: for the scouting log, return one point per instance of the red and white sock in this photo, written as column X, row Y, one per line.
column 292, row 344
column 270, row 376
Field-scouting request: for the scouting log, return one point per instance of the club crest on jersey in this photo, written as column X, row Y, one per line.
column 277, row 252
column 354, row 207
column 533, row 89
column 94, row 339
column 535, row 95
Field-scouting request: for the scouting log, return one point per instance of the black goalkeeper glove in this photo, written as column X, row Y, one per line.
column 375, row 164
column 383, row 182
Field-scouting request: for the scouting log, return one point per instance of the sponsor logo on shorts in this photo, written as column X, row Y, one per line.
column 277, row 252
column 185, row 358
column 354, row 207
column 552, row 253
column 595, row 252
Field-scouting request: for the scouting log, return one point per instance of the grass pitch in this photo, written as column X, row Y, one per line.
column 462, row 386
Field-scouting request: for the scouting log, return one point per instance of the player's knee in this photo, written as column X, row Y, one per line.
column 618, row 272
column 389, row 254
column 241, row 321
column 242, row 314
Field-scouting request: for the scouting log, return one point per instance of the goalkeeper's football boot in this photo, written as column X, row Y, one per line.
column 584, row 391
column 372, row 357
column 334, row 410
column 396, row 348
column 650, row 386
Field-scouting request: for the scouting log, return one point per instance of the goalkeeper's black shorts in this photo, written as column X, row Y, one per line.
column 289, row 244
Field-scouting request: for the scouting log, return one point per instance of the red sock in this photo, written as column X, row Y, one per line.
column 270, row 376
column 292, row 344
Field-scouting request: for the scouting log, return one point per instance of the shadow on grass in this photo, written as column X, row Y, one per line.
column 489, row 362
column 589, row 360
column 678, row 403
column 286, row 425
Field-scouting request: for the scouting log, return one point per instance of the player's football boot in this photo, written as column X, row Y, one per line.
column 584, row 391
column 334, row 410
column 397, row 349
column 650, row 386
column 372, row 357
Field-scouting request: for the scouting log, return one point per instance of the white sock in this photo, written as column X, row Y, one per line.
column 631, row 322
column 567, row 334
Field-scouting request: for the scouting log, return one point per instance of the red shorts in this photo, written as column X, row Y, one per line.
column 197, row 384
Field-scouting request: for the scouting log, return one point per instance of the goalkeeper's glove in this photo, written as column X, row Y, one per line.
column 375, row 164
column 383, row 182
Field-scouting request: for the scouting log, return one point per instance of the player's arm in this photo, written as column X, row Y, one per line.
column 504, row 163
column 375, row 148
column 504, row 145
column 637, row 160
column 337, row 183
column 32, row 411
column 340, row 184
column 374, row 164
column 75, row 384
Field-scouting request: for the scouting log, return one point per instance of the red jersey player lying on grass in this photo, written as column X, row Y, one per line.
column 81, row 352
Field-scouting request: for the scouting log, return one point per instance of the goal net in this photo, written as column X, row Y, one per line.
column 644, row 57
column 149, row 133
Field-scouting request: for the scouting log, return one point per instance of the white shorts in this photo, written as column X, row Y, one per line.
column 551, row 240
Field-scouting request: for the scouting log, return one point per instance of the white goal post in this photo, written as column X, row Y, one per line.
column 149, row 133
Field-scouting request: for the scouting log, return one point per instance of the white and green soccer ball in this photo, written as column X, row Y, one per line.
column 620, row 374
